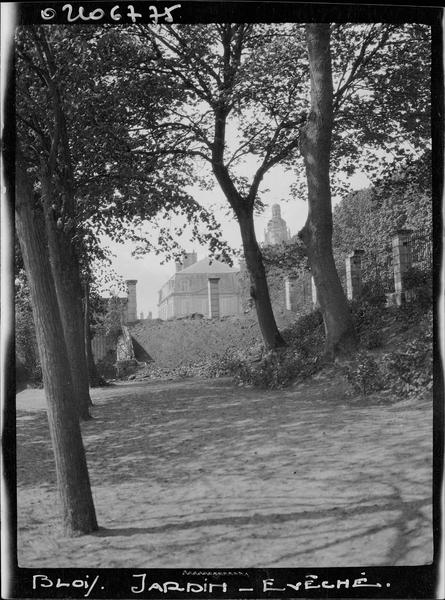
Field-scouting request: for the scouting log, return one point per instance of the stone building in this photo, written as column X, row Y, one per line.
column 203, row 287
column 277, row 230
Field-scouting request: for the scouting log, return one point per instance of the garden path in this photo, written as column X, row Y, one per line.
column 201, row 473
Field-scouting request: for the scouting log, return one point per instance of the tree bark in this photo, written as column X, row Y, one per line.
column 65, row 269
column 317, row 233
column 259, row 288
column 78, row 513
column 57, row 181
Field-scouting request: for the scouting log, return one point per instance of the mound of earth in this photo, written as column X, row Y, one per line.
column 192, row 340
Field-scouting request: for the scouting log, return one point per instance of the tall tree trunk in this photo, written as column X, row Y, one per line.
column 57, row 180
column 78, row 513
column 317, row 232
column 65, row 268
column 243, row 209
column 93, row 376
column 259, row 288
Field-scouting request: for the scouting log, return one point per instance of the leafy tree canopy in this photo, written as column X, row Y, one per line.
column 261, row 84
column 109, row 108
column 367, row 219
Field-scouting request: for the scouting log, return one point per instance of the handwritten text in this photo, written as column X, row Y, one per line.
column 79, row 13
column 43, row 581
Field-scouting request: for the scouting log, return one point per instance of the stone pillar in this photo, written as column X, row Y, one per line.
column 401, row 258
column 289, row 289
column 314, row 293
column 131, row 302
column 353, row 274
column 213, row 287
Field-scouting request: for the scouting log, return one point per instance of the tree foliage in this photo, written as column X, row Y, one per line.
column 109, row 111
column 382, row 102
column 27, row 357
column 367, row 219
column 288, row 258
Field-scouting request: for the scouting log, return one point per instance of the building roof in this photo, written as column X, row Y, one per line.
column 204, row 266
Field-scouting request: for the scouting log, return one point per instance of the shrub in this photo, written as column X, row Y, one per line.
column 368, row 321
column 415, row 278
column 410, row 371
column 275, row 370
column 363, row 374
column 406, row 372
column 306, row 335
column 371, row 339
column 373, row 292
column 421, row 282
column 415, row 312
column 365, row 314
column 278, row 368
column 227, row 364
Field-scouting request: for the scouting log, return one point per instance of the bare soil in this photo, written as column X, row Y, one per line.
column 199, row 473
column 190, row 340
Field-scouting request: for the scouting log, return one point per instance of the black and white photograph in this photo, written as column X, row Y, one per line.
column 222, row 238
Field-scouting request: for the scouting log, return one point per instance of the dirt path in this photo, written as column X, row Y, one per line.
column 204, row 474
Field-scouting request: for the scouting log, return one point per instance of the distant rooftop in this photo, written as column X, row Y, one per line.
column 204, row 266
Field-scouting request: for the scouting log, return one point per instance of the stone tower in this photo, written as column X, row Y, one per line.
column 277, row 230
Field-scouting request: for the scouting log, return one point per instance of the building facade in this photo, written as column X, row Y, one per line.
column 210, row 289
column 277, row 230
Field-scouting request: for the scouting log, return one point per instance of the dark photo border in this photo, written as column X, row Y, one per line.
column 404, row 582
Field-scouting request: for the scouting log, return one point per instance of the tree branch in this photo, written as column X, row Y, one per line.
column 197, row 58
column 360, row 63
column 204, row 92
column 166, row 151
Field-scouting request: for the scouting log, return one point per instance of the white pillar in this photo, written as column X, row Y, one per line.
column 213, row 288
column 314, row 293
column 401, row 256
column 353, row 274
column 289, row 289
column 131, row 302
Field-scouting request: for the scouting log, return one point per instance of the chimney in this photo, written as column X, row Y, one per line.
column 131, row 302
column 189, row 260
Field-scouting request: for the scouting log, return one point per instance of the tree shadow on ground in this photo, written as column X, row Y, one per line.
column 171, row 438
column 411, row 507
column 146, row 428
